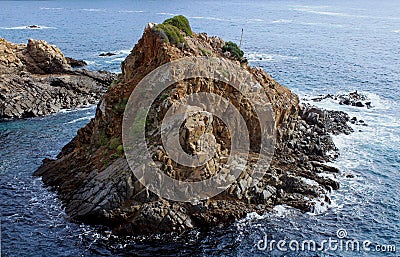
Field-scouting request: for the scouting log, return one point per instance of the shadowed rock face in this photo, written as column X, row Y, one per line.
column 96, row 185
column 36, row 79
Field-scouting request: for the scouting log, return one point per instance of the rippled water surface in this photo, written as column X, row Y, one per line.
column 313, row 47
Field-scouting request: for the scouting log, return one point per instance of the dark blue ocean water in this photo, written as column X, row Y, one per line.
column 313, row 47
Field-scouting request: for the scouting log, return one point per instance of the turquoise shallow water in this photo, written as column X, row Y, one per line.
column 313, row 47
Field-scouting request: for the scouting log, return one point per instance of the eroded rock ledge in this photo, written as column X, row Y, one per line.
column 96, row 185
column 36, row 79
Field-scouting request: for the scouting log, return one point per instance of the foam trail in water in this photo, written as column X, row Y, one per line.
column 80, row 119
column 257, row 57
column 320, row 24
column 92, row 10
column 282, row 21
column 51, row 8
column 207, row 18
column 317, row 10
column 83, row 108
column 166, row 13
column 254, row 20
column 130, row 11
column 119, row 56
column 27, row 27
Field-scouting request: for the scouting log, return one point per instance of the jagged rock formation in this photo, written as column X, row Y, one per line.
column 36, row 79
column 96, row 185
column 352, row 98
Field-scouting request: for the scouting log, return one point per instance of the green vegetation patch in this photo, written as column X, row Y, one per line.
column 170, row 30
column 233, row 49
column 181, row 22
column 205, row 52
column 114, row 143
column 120, row 150
column 103, row 139
column 170, row 33
column 120, row 106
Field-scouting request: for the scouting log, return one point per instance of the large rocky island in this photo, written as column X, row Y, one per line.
column 36, row 79
column 96, row 185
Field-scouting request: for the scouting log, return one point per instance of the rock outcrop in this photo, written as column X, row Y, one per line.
column 36, row 79
column 352, row 98
column 94, row 181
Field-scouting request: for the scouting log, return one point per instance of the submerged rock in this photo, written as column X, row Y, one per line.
column 36, row 79
column 33, row 27
column 96, row 185
column 107, row 54
column 353, row 98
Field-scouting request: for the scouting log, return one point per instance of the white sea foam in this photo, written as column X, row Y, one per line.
column 83, row 108
column 321, row 24
column 282, row 210
column 310, row 182
column 282, row 21
column 254, row 20
column 118, row 59
column 358, row 149
column 207, row 18
column 130, row 11
column 327, row 175
column 166, row 13
column 90, row 62
column 51, row 8
column 27, row 27
column 396, row 31
column 92, row 10
column 252, row 216
column 123, row 51
column 119, row 56
column 319, row 10
column 258, row 57
column 311, row 6
column 320, row 206
column 326, row 13
column 79, row 119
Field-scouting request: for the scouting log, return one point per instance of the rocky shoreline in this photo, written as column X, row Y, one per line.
column 36, row 79
column 94, row 181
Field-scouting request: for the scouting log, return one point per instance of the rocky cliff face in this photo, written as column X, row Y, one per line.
column 36, row 79
column 94, row 181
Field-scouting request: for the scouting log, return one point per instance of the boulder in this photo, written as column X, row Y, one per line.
column 36, row 79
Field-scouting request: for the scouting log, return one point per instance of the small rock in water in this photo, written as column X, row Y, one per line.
column 33, row 27
column 359, row 104
column 107, row 54
column 353, row 99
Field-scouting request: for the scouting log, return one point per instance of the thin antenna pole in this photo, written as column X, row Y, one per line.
column 241, row 37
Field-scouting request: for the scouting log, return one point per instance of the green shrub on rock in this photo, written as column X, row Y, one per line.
column 170, row 33
column 181, row 22
column 233, row 49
